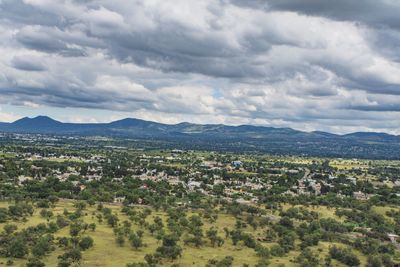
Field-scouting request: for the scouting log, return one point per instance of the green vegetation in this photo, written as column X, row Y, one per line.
column 70, row 204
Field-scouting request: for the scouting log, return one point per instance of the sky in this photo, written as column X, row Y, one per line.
column 306, row 64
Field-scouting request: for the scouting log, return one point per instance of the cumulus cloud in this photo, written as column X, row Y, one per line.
column 374, row 13
column 305, row 64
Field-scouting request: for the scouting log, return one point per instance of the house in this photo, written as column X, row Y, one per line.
column 174, row 180
column 243, row 201
column 361, row 196
column 317, row 188
column 119, row 199
column 193, row 185
column 22, row 179
column 394, row 239
column 237, row 163
column 352, row 180
column 289, row 193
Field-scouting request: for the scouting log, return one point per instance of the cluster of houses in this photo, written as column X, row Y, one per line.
column 202, row 177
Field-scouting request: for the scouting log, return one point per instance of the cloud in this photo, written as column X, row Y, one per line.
column 374, row 13
column 28, row 63
column 307, row 64
column 7, row 117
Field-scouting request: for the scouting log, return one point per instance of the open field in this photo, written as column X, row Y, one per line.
column 106, row 252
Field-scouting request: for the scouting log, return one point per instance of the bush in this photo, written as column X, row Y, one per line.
column 374, row 261
column 17, row 248
column 86, row 243
column 34, row 262
column 277, row 251
column 344, row 256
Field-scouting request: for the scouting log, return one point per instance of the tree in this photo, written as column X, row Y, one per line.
column 137, row 264
column 344, row 255
column 10, row 228
column 135, row 240
column 64, row 263
column 328, row 261
column 63, row 241
column 140, row 233
column 262, row 263
column 227, row 232
column 72, row 256
column 75, row 229
column 248, row 240
column 80, row 205
column 262, row 251
column 236, row 236
column 92, row 227
column 152, row 259
column 61, row 221
column 225, row 262
column 277, row 251
column 86, row 243
column 42, row 246
column 307, row 259
column 112, row 220
column 34, row 262
column 212, row 234
column 287, row 241
column 3, row 215
column 120, row 239
column 169, row 248
column 46, row 213
column 374, row 261
column 17, row 248
column 270, row 234
column 195, row 237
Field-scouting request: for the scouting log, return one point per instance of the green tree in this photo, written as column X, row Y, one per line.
column 169, row 248
column 212, row 234
column 86, row 242
column 42, row 246
column 135, row 240
column 17, row 248
column 34, row 262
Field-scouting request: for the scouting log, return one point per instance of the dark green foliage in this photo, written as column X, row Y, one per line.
column 86, row 242
column 17, row 247
column 135, row 240
column 344, row 255
column 43, row 246
column 34, row 262
column 225, row 262
column 169, row 248
column 307, row 259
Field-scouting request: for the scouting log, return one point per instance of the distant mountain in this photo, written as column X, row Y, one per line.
column 40, row 122
column 371, row 136
column 325, row 134
column 224, row 137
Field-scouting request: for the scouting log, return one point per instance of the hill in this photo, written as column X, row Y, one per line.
column 224, row 137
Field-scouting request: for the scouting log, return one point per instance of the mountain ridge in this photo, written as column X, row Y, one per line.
column 42, row 121
column 244, row 138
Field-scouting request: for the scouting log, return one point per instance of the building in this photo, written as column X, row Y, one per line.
column 119, row 200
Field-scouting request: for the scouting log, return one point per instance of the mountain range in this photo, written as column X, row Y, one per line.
column 223, row 137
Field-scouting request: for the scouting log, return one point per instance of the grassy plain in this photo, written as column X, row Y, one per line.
column 107, row 253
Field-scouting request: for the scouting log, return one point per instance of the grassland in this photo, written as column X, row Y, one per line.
column 107, row 253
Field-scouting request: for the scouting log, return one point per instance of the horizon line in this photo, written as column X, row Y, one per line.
column 182, row 122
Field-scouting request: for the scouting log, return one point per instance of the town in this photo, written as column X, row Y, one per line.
column 361, row 197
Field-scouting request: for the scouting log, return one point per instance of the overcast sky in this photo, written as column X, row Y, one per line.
column 305, row 64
